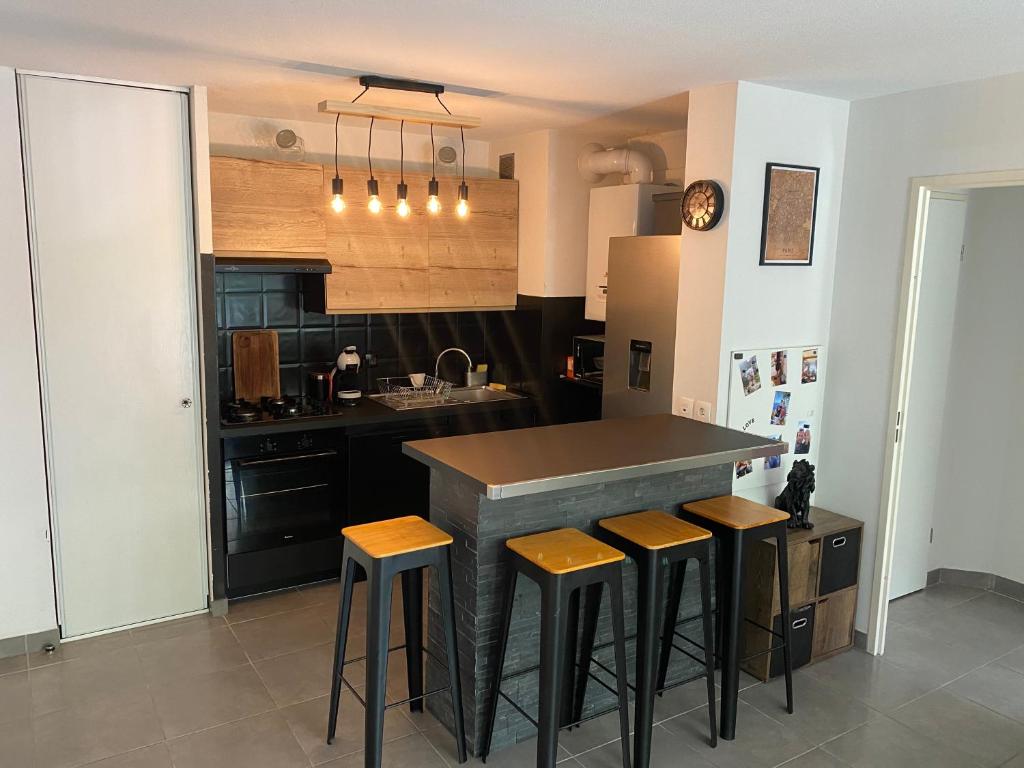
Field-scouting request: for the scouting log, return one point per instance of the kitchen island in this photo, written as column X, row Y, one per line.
column 486, row 488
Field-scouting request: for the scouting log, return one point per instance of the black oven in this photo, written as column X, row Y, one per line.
column 285, row 498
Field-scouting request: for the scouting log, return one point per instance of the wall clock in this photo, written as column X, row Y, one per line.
column 702, row 205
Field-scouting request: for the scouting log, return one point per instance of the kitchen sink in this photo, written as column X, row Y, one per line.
column 481, row 395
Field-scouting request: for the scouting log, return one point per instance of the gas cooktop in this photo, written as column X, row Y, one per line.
column 272, row 409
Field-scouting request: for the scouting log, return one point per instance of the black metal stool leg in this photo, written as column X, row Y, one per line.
column 782, row 548
column 378, row 623
column 591, row 614
column 444, row 581
column 506, row 623
column 554, row 615
column 621, row 678
column 572, row 627
column 733, row 613
column 721, row 596
column 412, row 612
column 675, row 596
column 709, row 639
column 650, row 596
column 340, row 640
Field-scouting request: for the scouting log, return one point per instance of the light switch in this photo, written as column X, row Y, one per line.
column 684, row 407
column 702, row 410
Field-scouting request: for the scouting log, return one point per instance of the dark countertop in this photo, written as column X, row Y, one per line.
column 368, row 412
column 524, row 461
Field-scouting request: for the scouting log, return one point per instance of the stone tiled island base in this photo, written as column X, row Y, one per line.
column 480, row 527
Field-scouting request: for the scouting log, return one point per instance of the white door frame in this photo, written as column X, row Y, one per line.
column 922, row 189
column 197, row 172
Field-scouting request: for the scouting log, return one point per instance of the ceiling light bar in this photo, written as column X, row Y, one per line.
column 400, row 84
column 393, row 113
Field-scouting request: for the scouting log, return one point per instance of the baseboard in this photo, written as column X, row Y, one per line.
column 860, row 639
column 1009, row 588
column 960, row 578
column 22, row 644
column 934, row 577
column 219, row 607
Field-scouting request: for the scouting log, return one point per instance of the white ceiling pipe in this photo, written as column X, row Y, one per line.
column 595, row 162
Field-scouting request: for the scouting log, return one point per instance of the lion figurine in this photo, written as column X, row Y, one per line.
column 796, row 496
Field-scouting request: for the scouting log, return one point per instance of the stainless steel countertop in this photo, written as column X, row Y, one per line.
column 524, row 461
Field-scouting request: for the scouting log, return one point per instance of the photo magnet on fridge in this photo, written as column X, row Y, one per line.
column 749, row 375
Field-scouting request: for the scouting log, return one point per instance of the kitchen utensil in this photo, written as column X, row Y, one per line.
column 320, row 386
column 255, row 359
column 417, row 379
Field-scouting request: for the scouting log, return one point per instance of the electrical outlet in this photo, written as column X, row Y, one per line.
column 702, row 410
column 684, row 406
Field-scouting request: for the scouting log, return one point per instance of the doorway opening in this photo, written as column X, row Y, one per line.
column 948, row 505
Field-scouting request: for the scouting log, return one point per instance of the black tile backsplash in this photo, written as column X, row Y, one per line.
column 311, row 341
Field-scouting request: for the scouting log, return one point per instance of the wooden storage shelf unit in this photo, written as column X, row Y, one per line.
column 381, row 263
column 823, row 576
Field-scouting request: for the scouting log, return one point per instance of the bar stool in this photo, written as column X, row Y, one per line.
column 404, row 545
column 653, row 539
column 561, row 562
column 735, row 522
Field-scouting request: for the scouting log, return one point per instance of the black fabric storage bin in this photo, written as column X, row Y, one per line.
column 840, row 555
column 802, row 623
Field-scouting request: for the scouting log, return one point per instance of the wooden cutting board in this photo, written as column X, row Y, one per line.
column 255, row 358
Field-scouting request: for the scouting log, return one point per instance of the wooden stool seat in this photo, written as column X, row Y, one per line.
column 564, row 550
column 735, row 512
column 654, row 529
column 388, row 538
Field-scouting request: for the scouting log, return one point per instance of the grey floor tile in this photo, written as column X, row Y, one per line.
column 93, row 729
column 996, row 609
column 11, row 664
column 594, row 733
column 156, row 756
column 264, row 741
column 17, row 746
column 1016, row 762
column 80, row 649
column 15, row 698
column 413, row 750
column 308, row 722
column 321, row 592
column 677, row 701
column 820, row 712
column 261, row 606
column 189, row 655
column 919, row 605
column 994, row 686
column 282, row 633
column 878, row 684
column 178, row 627
column 761, row 741
column 1014, row 660
column 816, row 758
column 986, row 639
column 668, row 750
column 61, row 685
column 986, row 736
column 195, row 703
column 295, row 677
column 884, row 743
column 928, row 656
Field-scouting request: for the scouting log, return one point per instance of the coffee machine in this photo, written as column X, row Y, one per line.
column 345, row 377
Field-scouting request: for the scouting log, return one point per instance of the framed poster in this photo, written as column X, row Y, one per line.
column 787, row 222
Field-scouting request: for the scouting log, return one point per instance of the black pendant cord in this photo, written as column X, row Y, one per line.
column 337, row 119
column 369, row 147
column 433, row 156
column 401, row 152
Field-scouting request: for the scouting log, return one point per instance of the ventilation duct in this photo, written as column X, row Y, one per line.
column 596, row 162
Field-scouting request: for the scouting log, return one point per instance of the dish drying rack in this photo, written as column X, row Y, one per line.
column 400, row 392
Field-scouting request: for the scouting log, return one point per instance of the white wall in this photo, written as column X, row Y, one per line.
column 785, row 306
column 978, row 513
column 961, row 128
column 26, row 565
column 253, row 137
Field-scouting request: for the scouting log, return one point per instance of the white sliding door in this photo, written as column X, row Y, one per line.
column 107, row 168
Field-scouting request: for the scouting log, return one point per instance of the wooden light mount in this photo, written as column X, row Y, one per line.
column 353, row 109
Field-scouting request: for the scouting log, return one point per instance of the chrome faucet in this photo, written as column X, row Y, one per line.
column 469, row 362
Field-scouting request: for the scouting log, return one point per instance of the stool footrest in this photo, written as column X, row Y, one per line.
column 766, row 629
column 573, row 724
column 684, row 681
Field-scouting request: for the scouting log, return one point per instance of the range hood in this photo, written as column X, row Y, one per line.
column 305, row 264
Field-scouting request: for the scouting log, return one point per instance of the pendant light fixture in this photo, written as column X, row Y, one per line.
column 402, row 209
column 462, row 207
column 373, row 204
column 433, row 202
column 337, row 185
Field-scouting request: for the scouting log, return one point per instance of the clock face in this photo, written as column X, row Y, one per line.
column 702, row 205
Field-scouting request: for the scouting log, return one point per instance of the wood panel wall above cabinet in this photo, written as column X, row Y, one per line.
column 381, row 263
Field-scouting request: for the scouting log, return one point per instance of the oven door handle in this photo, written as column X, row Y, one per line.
column 278, row 459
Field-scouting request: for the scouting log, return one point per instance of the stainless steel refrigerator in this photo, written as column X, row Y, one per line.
column 640, row 325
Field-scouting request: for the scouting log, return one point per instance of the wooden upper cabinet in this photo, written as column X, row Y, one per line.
column 266, row 206
column 381, row 263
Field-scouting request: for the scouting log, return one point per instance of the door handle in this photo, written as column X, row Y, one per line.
column 186, row 402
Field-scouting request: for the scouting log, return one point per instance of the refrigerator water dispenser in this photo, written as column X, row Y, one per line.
column 640, row 365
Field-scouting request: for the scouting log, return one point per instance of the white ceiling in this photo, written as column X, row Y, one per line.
column 520, row 64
